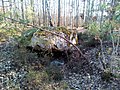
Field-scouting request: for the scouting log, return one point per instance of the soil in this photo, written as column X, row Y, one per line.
column 75, row 71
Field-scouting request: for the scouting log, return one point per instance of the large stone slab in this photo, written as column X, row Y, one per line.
column 47, row 41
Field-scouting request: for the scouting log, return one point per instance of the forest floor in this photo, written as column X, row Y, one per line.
column 21, row 69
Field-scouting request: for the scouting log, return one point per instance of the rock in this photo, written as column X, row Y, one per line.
column 57, row 63
column 47, row 41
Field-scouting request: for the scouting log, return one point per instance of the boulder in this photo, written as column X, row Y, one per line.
column 48, row 41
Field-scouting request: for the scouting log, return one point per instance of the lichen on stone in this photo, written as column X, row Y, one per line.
column 46, row 40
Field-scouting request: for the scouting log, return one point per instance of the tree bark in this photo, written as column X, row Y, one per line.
column 64, row 13
column 3, row 7
column 49, row 17
column 43, row 8
column 22, row 9
column 10, row 8
column 32, row 6
column 58, row 13
column 84, row 17
column 77, row 12
column 26, row 9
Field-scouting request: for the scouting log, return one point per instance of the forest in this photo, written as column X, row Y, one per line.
column 59, row 44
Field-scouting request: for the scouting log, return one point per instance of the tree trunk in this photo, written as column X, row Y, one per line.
column 92, row 8
column 38, row 13
column 77, row 12
column 49, row 17
column 64, row 13
column 101, row 12
column 43, row 8
column 32, row 6
column 10, row 5
column 22, row 9
column 58, row 13
column 3, row 7
column 26, row 9
column 88, row 11
column 84, row 17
